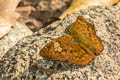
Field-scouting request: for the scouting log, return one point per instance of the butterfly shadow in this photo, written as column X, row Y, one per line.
column 49, row 67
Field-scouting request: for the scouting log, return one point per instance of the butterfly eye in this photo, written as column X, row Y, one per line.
column 67, row 31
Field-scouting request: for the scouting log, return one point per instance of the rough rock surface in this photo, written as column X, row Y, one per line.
column 24, row 62
column 14, row 35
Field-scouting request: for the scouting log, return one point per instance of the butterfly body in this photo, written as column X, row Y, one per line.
column 78, row 46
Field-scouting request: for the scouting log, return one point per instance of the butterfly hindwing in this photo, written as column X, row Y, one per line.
column 65, row 48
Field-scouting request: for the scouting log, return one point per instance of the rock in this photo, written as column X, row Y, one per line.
column 23, row 61
column 16, row 34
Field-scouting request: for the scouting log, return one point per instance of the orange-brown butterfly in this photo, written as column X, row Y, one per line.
column 78, row 46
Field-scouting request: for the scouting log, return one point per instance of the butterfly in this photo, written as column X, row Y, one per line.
column 79, row 46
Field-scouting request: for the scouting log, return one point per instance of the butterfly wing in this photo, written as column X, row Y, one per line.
column 65, row 48
column 83, row 32
column 57, row 49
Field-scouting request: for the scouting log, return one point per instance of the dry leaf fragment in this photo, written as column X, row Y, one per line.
column 82, row 4
column 8, row 15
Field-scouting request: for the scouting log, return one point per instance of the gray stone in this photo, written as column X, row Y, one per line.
column 23, row 61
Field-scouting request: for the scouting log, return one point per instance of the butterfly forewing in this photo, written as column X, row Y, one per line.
column 83, row 32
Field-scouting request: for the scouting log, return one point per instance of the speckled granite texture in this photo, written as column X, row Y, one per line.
column 10, row 39
column 24, row 62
